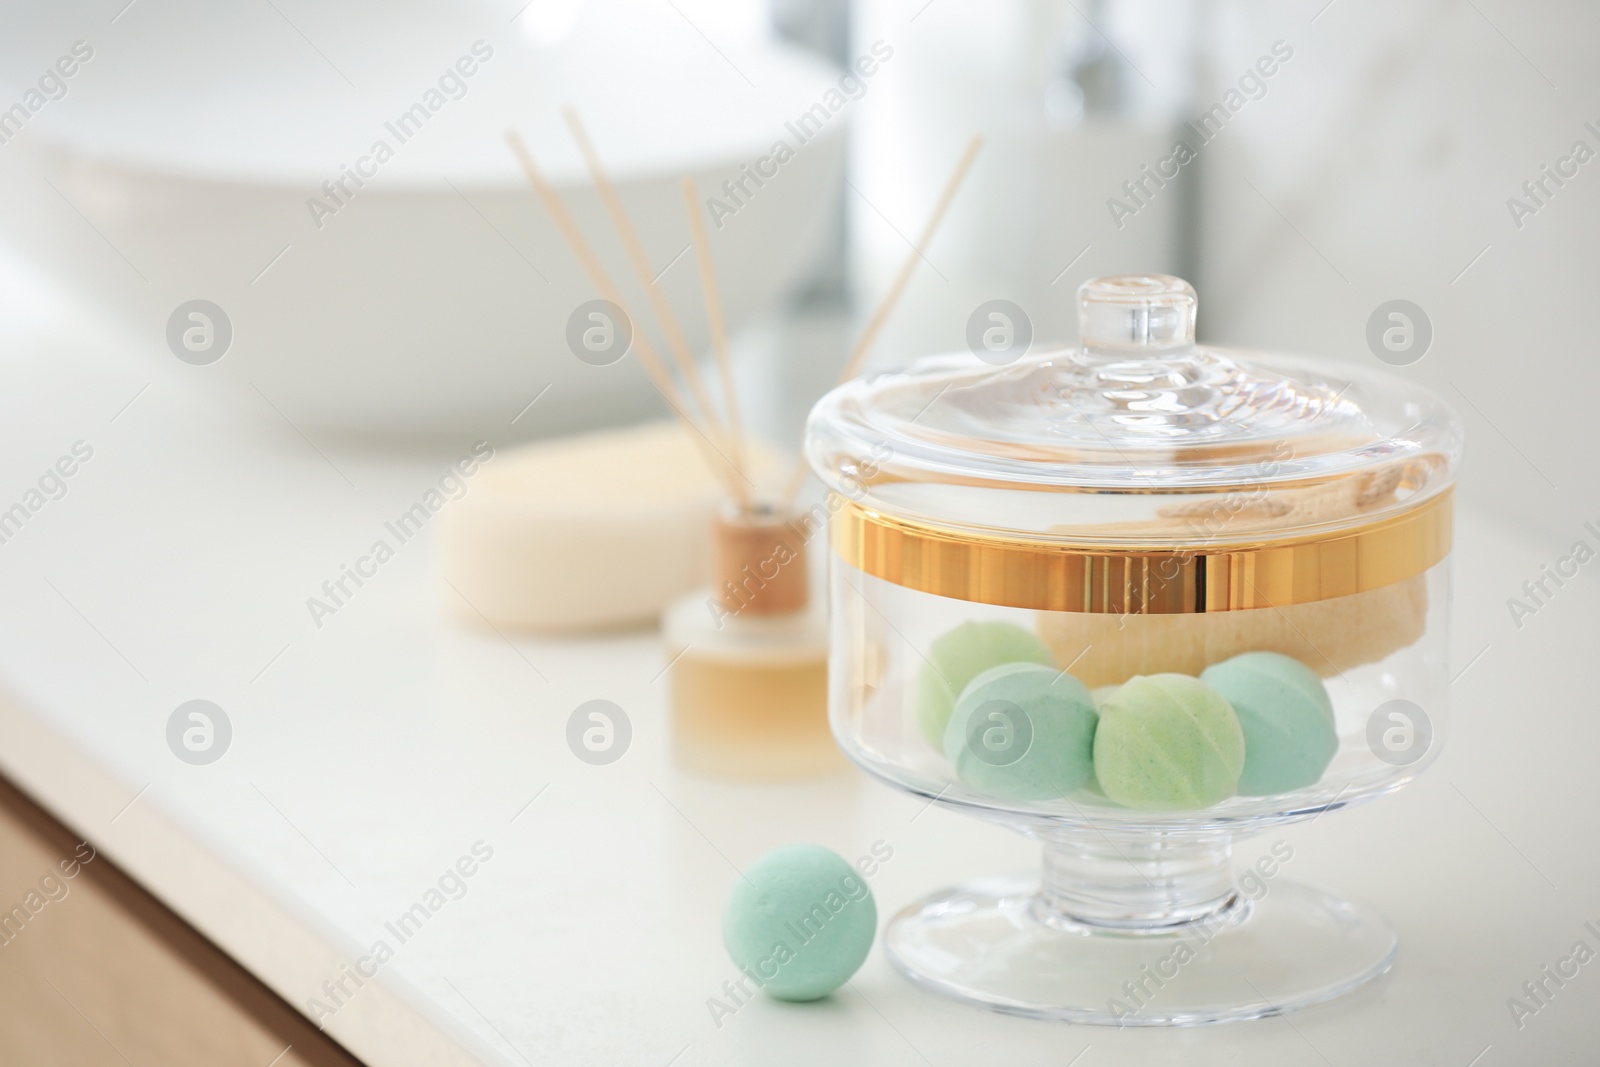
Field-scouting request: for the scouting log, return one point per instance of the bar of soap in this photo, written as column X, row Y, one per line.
column 1328, row 636
column 582, row 533
column 959, row 656
column 800, row 922
column 1287, row 718
column 1023, row 731
column 1168, row 742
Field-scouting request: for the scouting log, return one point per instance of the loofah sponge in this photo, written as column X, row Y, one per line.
column 1328, row 636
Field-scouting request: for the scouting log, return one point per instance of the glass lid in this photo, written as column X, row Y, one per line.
column 1135, row 433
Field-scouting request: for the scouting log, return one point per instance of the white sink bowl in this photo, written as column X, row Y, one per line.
column 436, row 300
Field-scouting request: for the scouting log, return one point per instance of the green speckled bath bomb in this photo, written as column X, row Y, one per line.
column 800, row 922
column 1023, row 731
column 1168, row 742
column 961, row 655
column 1287, row 718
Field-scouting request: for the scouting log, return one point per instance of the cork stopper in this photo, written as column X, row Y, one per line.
column 759, row 561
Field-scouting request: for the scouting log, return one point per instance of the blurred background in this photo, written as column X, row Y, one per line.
column 183, row 161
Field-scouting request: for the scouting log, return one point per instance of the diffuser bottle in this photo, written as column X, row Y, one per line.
column 748, row 657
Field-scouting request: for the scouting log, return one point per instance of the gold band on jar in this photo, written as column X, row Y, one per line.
column 1060, row 575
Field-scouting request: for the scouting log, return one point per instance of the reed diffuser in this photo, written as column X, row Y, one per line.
column 747, row 656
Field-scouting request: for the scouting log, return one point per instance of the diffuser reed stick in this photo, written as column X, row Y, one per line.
column 729, row 474
column 858, row 355
column 719, row 338
column 641, row 266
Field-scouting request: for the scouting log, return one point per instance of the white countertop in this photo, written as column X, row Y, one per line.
column 370, row 754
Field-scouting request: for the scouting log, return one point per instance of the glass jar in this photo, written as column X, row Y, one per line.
column 1139, row 600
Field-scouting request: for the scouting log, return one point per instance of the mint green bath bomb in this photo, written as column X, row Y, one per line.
column 1099, row 695
column 958, row 657
column 1023, row 731
column 1287, row 718
column 1168, row 742
column 800, row 922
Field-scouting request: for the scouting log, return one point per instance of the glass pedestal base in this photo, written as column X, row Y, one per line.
column 1002, row 944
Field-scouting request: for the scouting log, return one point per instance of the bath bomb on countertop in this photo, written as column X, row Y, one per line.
column 1287, row 718
column 958, row 657
column 800, row 922
column 1168, row 742
column 1023, row 731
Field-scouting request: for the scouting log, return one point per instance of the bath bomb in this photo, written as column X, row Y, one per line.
column 1092, row 786
column 1023, row 731
column 1168, row 742
column 1287, row 718
column 800, row 922
column 958, row 657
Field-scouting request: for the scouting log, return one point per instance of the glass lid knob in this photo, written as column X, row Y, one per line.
column 1136, row 314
